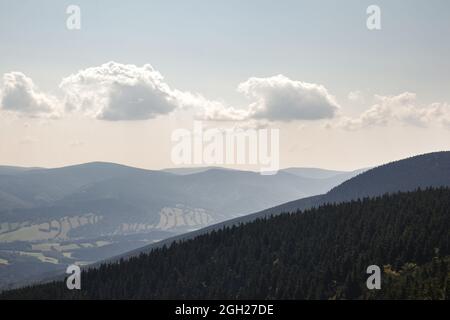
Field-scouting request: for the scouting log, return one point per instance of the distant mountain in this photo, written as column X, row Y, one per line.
column 38, row 187
column 428, row 170
column 316, row 254
column 8, row 170
column 191, row 170
column 85, row 213
column 314, row 173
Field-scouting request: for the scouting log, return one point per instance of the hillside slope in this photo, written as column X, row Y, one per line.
column 428, row 170
column 319, row 254
column 50, row 218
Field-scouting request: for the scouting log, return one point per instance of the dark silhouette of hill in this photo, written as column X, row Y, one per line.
column 427, row 170
column 321, row 253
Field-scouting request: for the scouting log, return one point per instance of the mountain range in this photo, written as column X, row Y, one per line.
column 50, row 218
column 226, row 197
column 422, row 171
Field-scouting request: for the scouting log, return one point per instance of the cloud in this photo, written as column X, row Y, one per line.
column 216, row 111
column 115, row 91
column 20, row 95
column 207, row 109
column 399, row 109
column 279, row 98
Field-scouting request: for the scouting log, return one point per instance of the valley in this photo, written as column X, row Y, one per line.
column 50, row 218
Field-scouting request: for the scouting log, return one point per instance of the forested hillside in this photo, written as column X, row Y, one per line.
column 81, row 214
column 321, row 253
column 422, row 171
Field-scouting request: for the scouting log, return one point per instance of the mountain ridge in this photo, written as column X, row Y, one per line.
column 443, row 158
column 63, row 215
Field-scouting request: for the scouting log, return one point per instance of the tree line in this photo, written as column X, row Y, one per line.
column 320, row 253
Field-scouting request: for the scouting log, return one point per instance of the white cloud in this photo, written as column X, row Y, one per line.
column 279, row 98
column 220, row 112
column 20, row 95
column 400, row 109
column 115, row 91
column 208, row 109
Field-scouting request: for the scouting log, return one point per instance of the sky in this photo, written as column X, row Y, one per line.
column 342, row 96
